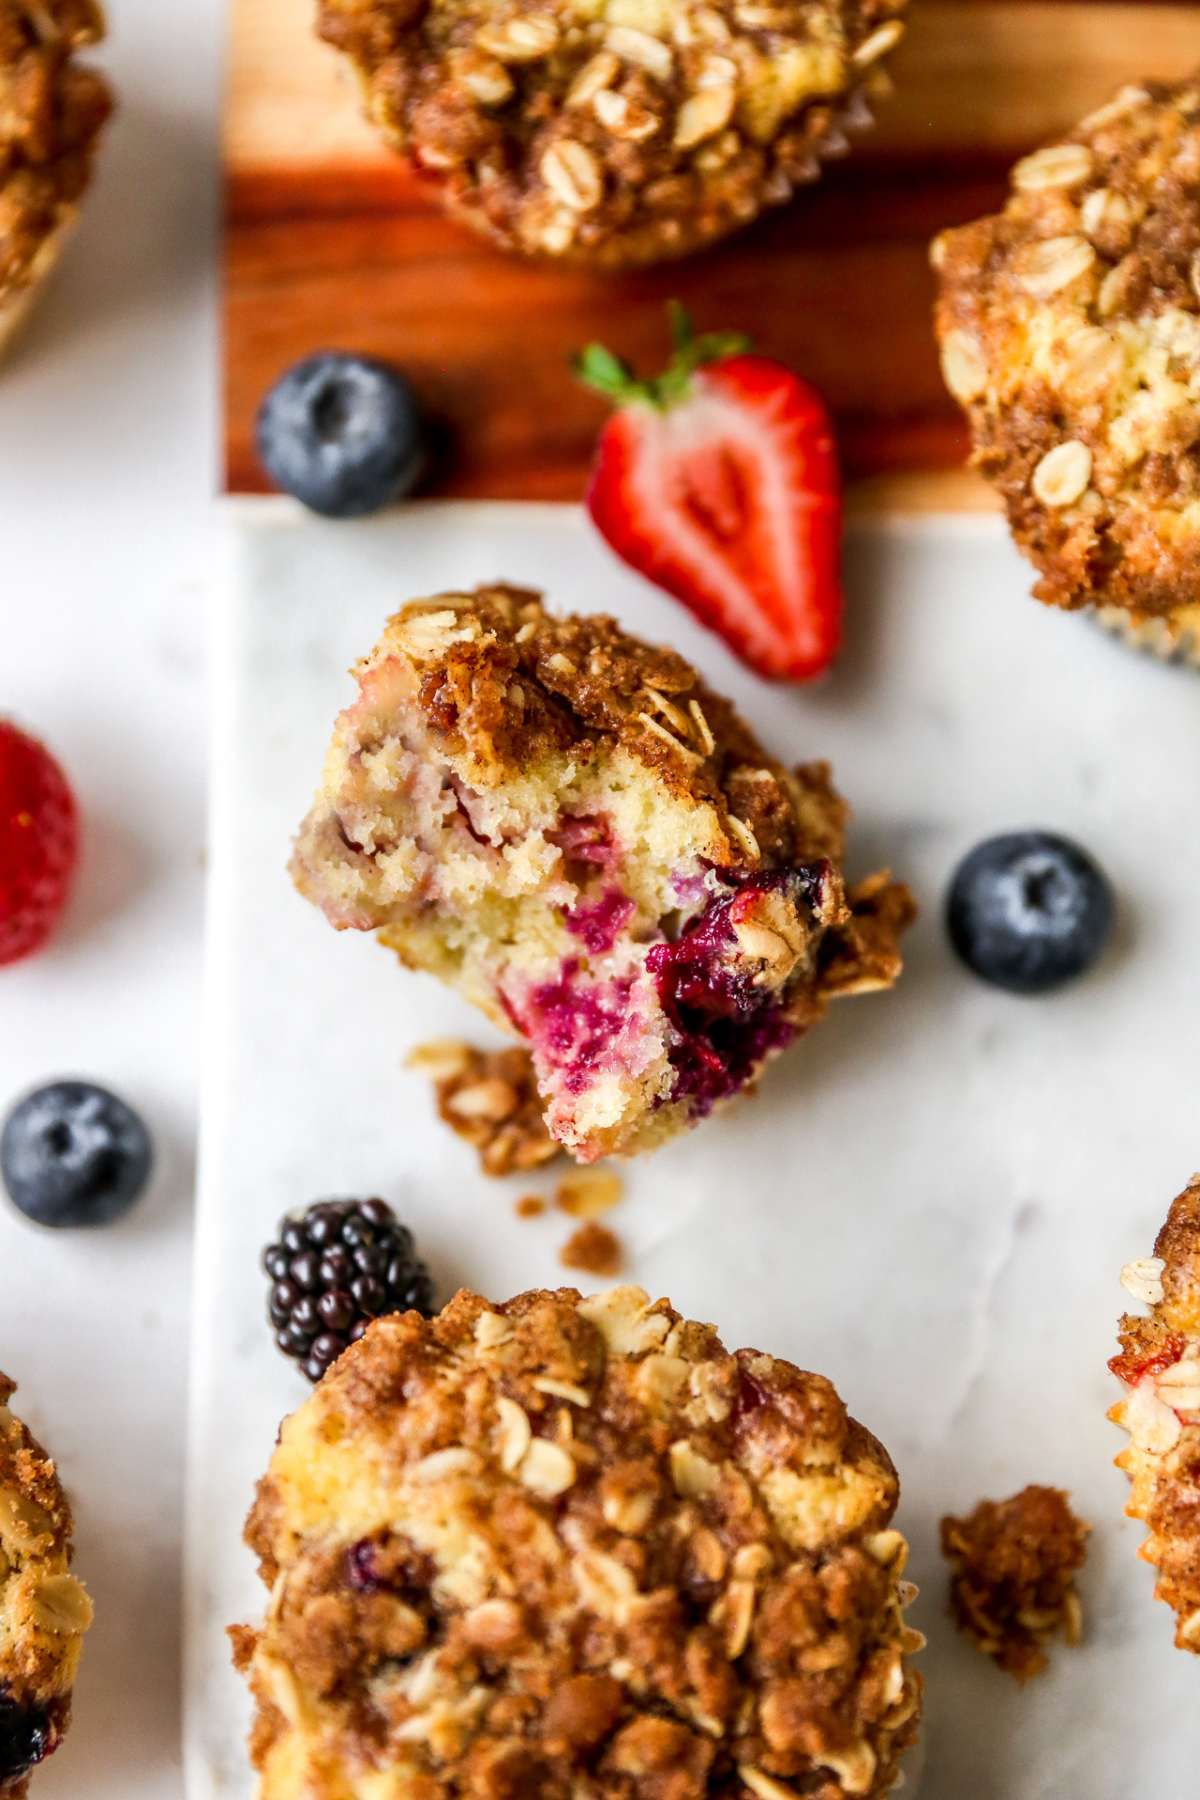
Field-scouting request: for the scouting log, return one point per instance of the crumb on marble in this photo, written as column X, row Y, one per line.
column 1012, row 1585
column 594, row 1249
column 529, row 1206
column 489, row 1098
column 587, row 1193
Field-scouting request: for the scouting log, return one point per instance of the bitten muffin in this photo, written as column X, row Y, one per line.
column 52, row 110
column 44, row 1610
column 1159, row 1365
column 1070, row 332
column 573, row 1549
column 570, row 828
column 615, row 131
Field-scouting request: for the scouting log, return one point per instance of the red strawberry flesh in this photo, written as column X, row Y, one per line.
column 725, row 492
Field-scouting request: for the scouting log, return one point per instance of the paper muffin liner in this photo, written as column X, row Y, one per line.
column 1171, row 640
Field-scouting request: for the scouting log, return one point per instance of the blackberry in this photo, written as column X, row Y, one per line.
column 333, row 1269
column 26, row 1738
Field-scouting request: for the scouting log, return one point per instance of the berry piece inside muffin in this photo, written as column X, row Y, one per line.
column 1070, row 332
column 44, row 1610
column 53, row 111
column 1159, row 1365
column 563, row 1547
column 619, row 131
column 570, row 828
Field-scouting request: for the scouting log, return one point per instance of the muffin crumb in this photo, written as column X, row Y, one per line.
column 490, row 1099
column 594, row 1249
column 529, row 1206
column 587, row 1193
column 1012, row 1586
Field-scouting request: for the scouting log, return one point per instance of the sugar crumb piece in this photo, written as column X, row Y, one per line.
column 489, row 1098
column 594, row 1249
column 1012, row 1584
column 587, row 1193
column 529, row 1206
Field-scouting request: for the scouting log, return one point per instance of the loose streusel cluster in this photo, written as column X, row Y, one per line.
column 51, row 113
column 1014, row 1564
column 44, row 1610
column 490, row 1098
column 573, row 1548
column 615, row 131
column 1160, row 1367
column 1070, row 332
column 570, row 828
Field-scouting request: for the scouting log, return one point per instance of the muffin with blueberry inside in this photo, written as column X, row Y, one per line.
column 566, row 1547
column 53, row 110
column 44, row 1610
column 1070, row 332
column 620, row 132
column 568, row 827
column 1159, row 1367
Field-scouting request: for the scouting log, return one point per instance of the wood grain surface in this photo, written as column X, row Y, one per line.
column 331, row 242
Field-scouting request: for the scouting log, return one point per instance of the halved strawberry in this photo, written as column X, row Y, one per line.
column 719, row 481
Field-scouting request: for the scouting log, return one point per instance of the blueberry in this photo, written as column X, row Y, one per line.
column 73, row 1154
column 26, row 1736
column 1029, row 911
column 342, row 434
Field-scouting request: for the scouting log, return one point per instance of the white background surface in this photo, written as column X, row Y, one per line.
column 106, row 521
column 931, row 1199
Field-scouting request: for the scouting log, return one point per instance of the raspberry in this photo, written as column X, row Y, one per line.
column 39, row 843
column 335, row 1268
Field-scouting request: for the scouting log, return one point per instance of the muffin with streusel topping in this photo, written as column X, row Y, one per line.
column 568, row 1548
column 1070, row 332
column 567, row 826
column 1159, row 1365
column 52, row 109
column 617, row 131
column 44, row 1610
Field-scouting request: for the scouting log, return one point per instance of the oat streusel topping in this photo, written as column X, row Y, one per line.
column 1070, row 333
column 44, row 1610
column 572, row 1549
column 1159, row 1365
column 1012, row 1586
column 615, row 131
column 490, row 1098
column 52, row 109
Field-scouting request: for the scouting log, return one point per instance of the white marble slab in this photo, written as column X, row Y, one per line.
column 931, row 1199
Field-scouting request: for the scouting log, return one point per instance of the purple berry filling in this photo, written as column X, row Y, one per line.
column 726, row 1024
column 362, row 1568
column 587, row 838
column 598, row 923
column 576, row 1026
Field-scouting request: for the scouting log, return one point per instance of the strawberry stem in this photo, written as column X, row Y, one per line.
column 597, row 367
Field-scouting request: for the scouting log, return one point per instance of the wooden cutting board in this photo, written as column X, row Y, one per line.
column 330, row 242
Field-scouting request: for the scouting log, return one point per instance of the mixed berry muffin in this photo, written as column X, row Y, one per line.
column 51, row 112
column 574, row 1549
column 44, row 1611
column 615, row 131
column 567, row 826
column 1159, row 1365
column 1070, row 332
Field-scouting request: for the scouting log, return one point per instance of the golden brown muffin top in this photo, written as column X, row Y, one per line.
column 1070, row 332
column 616, row 131
column 573, row 1547
column 51, row 113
